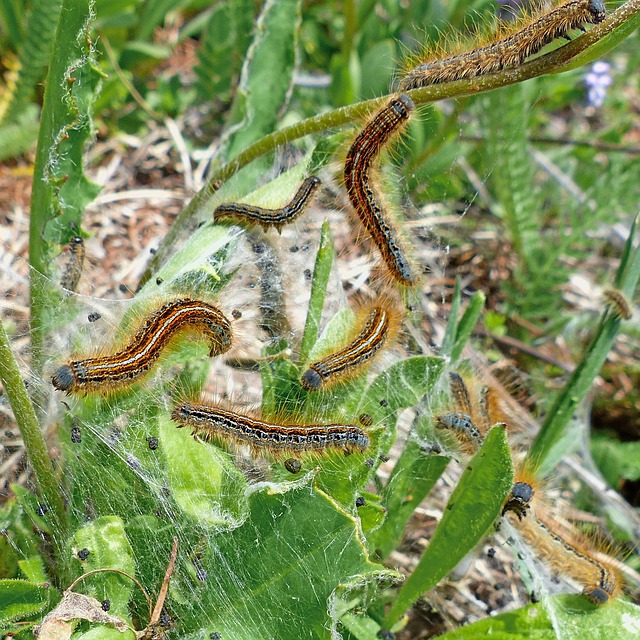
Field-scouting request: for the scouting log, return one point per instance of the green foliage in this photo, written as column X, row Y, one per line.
column 283, row 555
column 473, row 507
column 576, row 617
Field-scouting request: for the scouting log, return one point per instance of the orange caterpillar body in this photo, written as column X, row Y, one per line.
column 141, row 353
column 358, row 182
column 566, row 552
column 381, row 324
column 212, row 422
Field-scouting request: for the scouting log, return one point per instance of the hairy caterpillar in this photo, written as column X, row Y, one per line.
column 143, row 350
column 469, row 421
column 517, row 42
column 211, row 422
column 357, row 178
column 380, row 327
column 251, row 214
column 565, row 552
column 73, row 269
column 618, row 304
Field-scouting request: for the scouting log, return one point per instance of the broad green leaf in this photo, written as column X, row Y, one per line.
column 278, row 571
column 108, row 548
column 399, row 387
column 202, row 479
column 20, row 599
column 557, row 618
column 472, row 508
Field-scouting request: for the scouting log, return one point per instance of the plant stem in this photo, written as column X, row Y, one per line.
column 624, row 19
column 32, row 437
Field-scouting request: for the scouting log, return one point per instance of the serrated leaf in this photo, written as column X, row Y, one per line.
column 20, row 599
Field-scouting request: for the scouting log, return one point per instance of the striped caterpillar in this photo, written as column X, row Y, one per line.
column 357, row 178
column 211, row 422
column 124, row 367
column 251, row 214
column 73, row 269
column 519, row 41
column 380, row 326
column 565, row 552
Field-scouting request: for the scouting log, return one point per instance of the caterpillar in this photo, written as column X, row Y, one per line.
column 357, row 178
column 120, row 369
column 216, row 423
column 251, row 214
column 512, row 49
column 469, row 421
column 380, row 327
column 73, row 269
column 564, row 552
column 618, row 304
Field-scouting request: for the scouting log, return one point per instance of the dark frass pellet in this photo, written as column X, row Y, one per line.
column 360, row 502
column 76, row 435
column 83, row 554
column 92, row 317
column 152, row 441
column 106, row 605
column 292, row 465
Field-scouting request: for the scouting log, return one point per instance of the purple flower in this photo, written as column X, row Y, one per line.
column 598, row 81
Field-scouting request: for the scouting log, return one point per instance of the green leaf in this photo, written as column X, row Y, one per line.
column 33, row 569
column 20, row 599
column 553, row 440
column 566, row 617
column 202, row 479
column 321, row 273
column 413, row 477
column 618, row 461
column 467, row 324
column 280, row 569
column 266, row 80
column 108, row 548
column 224, row 42
column 399, row 387
column 33, row 56
column 471, row 510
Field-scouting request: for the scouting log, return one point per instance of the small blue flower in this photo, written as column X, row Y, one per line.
column 598, row 80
